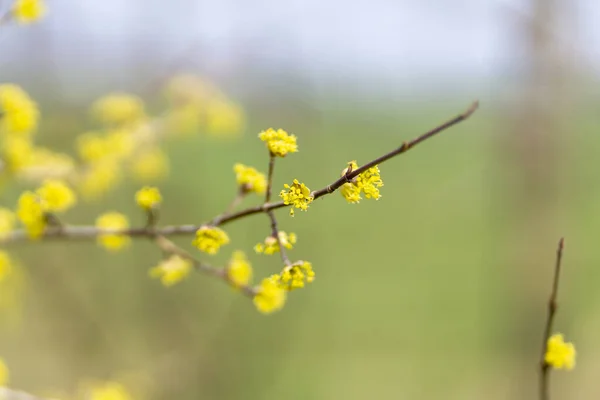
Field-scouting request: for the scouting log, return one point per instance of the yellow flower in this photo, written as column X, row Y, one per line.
column 43, row 163
column 56, row 196
column 31, row 214
column 28, row 11
column 99, row 178
column 184, row 120
column 19, row 113
column 250, row 179
column 209, row 239
column 148, row 197
column 172, row 270
column 560, row 355
column 239, row 269
column 271, row 244
column 4, row 374
column 108, row 391
column 367, row 182
column 113, row 221
column 224, row 117
column 298, row 195
column 118, row 108
column 270, row 296
column 279, row 142
column 17, row 152
column 6, row 265
column 152, row 164
column 295, row 276
column 91, row 146
column 7, row 222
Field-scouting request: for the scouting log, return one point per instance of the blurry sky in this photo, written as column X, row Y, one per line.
column 365, row 43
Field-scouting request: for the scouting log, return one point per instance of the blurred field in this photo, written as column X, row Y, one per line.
column 416, row 295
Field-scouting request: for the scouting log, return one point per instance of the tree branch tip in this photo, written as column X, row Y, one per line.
column 472, row 108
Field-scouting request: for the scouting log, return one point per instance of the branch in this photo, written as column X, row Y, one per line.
column 552, row 307
column 171, row 248
column 91, row 232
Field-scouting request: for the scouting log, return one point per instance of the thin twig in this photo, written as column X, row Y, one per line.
column 270, row 177
column 275, row 234
column 90, row 232
column 169, row 247
column 552, row 307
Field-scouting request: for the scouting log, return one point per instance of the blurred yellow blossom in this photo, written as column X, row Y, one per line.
column 91, row 146
column 4, row 374
column 271, row 245
column 19, row 112
column 5, row 265
column 17, row 152
column 108, row 391
column 270, row 296
column 28, row 11
column 113, row 221
column 250, row 179
column 118, row 108
column 7, row 222
column 150, row 164
column 98, row 178
column 560, row 354
column 297, row 195
column 209, row 239
column 172, row 270
column 239, row 270
column 148, row 197
column 279, row 142
column 43, row 163
column 31, row 214
column 224, row 117
column 56, row 196
column 184, row 120
column 295, row 276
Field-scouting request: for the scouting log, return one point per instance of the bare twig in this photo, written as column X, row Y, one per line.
column 90, row 232
column 552, row 307
column 169, row 247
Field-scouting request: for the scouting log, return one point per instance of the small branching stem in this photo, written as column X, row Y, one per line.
column 552, row 307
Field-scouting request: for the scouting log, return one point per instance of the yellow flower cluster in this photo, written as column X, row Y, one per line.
column 6, row 265
column 279, row 142
column 113, row 221
column 19, row 117
column 250, row 179
column 172, row 270
column 4, row 374
column 107, row 391
column 560, row 354
column 297, row 194
column 128, row 139
column 119, row 109
column 296, row 275
column 239, row 270
column 209, row 239
column 52, row 197
column 199, row 105
column 271, row 245
column 7, row 222
column 224, row 117
column 28, row 11
column 270, row 296
column 148, row 197
column 20, row 114
column 367, row 182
